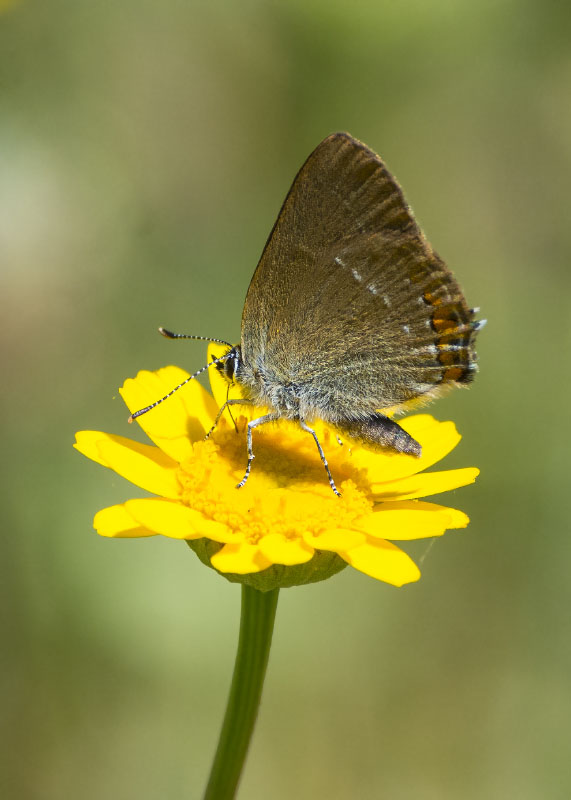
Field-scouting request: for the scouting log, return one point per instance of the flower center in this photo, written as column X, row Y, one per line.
column 287, row 491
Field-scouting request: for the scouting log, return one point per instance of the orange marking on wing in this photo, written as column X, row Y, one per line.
column 453, row 374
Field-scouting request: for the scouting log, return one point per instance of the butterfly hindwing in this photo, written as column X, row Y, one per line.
column 349, row 303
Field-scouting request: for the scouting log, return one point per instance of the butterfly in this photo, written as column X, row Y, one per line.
column 350, row 315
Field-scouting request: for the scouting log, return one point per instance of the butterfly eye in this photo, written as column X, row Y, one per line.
column 231, row 364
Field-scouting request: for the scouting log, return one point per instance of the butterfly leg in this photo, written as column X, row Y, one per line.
column 306, row 427
column 251, row 425
column 233, row 402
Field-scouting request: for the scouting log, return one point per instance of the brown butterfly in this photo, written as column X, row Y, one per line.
column 350, row 312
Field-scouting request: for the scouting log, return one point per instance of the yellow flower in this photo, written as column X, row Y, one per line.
column 285, row 526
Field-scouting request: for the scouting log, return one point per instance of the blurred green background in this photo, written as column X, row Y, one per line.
column 145, row 150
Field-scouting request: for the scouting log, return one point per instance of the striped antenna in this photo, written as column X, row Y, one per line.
column 142, row 411
column 171, row 335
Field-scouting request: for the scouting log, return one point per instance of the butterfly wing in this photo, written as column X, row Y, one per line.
column 349, row 304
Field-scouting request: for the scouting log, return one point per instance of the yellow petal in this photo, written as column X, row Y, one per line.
column 338, row 539
column 115, row 522
column 173, row 425
column 456, row 518
column 240, row 558
column 384, row 561
column 175, row 520
column 278, row 549
column 410, row 519
column 424, row 484
column 199, row 403
column 436, row 438
column 142, row 464
column 87, row 443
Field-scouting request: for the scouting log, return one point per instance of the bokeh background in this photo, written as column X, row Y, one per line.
column 145, row 150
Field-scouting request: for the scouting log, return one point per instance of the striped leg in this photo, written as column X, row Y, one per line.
column 251, row 425
column 322, row 454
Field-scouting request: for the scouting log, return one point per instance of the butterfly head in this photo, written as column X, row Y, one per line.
column 229, row 367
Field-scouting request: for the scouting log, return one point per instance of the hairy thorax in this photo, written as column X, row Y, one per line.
column 294, row 399
column 266, row 389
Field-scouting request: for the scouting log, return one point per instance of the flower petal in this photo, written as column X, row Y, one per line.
column 87, row 444
column 280, row 550
column 384, row 561
column 142, row 464
column 410, row 519
column 185, row 417
column 240, row 558
column 424, row 484
column 115, row 522
column 176, row 521
column 336, row 540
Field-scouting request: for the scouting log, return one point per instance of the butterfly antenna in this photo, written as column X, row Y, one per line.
column 142, row 411
column 171, row 335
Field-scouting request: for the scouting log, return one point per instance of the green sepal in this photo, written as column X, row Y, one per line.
column 323, row 565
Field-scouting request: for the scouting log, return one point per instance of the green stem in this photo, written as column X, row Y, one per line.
column 256, row 628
